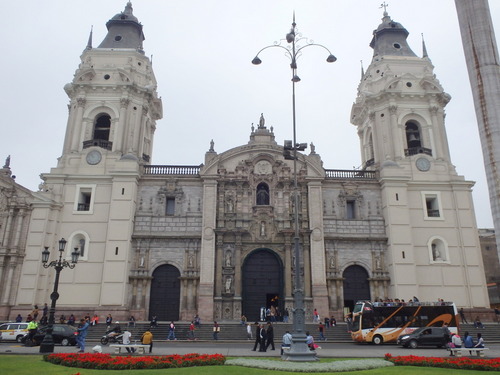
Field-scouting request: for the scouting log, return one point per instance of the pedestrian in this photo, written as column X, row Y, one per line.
column 32, row 329
column 477, row 323
column 29, row 318
column 45, row 310
column 243, row 320
column 327, row 322
column 447, row 333
column 153, row 323
column 333, row 321
column 197, row 321
column 287, row 341
column 216, row 330
column 191, row 331
column 462, row 316
column 131, row 321
column 257, row 336
column 348, row 319
column 34, row 313
column 285, row 315
column 249, row 331
column 468, row 341
column 126, row 341
column 270, row 336
column 316, row 316
column 321, row 329
column 480, row 341
column 19, row 318
column 171, row 331
column 71, row 320
column 95, row 320
column 147, row 339
column 497, row 314
column 109, row 320
column 82, row 334
column 263, row 338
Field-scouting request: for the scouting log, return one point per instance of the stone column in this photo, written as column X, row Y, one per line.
column 77, row 125
column 317, row 246
column 207, row 272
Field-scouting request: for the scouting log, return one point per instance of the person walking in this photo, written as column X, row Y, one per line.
column 171, row 331
column 147, row 339
column 191, row 331
column 321, row 329
column 263, row 338
column 270, row 336
column 216, row 330
column 249, row 331
column 109, row 321
column 82, row 334
column 462, row 316
column 257, row 336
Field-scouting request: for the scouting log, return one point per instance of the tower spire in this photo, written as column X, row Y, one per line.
column 89, row 42
column 424, row 49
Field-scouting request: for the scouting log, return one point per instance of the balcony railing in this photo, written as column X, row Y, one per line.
column 350, row 174
column 157, row 170
column 107, row 145
column 418, row 150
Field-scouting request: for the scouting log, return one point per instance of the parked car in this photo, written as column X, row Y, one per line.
column 425, row 336
column 13, row 331
column 61, row 334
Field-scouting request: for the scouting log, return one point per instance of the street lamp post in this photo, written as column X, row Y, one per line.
column 47, row 345
column 299, row 350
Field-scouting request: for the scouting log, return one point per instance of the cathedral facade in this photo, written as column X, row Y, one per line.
column 217, row 239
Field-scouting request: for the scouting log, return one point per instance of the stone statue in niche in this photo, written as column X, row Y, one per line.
column 262, row 228
column 378, row 263
column 229, row 280
column 228, row 259
column 191, row 261
column 436, row 254
column 332, row 262
column 141, row 262
column 230, row 205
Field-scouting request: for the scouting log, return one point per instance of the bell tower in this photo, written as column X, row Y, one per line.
column 427, row 206
column 90, row 197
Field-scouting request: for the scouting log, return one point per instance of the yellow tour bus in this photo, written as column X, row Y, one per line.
column 379, row 322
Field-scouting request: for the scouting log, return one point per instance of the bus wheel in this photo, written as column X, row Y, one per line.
column 413, row 344
column 377, row 340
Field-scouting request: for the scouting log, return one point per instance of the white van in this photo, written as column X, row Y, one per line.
column 13, row 331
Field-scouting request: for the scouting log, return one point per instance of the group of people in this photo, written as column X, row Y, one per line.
column 264, row 336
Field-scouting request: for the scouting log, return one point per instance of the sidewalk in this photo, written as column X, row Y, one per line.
column 238, row 349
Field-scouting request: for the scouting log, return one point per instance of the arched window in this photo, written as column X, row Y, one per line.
column 102, row 127
column 413, row 135
column 262, row 194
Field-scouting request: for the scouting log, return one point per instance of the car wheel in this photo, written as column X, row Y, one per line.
column 413, row 344
column 377, row 340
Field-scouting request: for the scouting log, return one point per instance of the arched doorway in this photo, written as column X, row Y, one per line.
column 165, row 293
column 262, row 283
column 356, row 285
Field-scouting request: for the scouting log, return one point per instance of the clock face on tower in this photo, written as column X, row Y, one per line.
column 94, row 157
column 423, row 164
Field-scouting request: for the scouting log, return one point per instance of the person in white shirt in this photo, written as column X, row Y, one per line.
column 126, row 341
column 287, row 341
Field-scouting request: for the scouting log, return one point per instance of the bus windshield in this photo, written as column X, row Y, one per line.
column 380, row 322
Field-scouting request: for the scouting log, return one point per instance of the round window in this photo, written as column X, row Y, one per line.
column 397, row 45
column 118, row 38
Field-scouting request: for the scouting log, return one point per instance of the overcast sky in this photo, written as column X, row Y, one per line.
column 202, row 52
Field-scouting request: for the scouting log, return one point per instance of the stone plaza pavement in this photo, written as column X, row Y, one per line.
column 239, row 349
